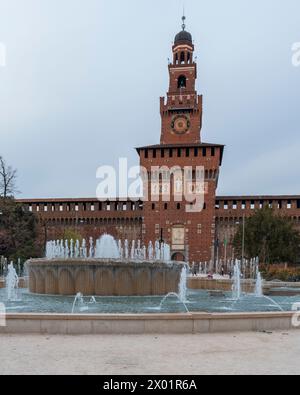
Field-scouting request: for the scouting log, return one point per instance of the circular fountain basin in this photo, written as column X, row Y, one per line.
column 103, row 277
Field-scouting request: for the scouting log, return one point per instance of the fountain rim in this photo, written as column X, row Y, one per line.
column 103, row 261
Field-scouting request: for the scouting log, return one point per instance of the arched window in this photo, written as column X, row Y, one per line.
column 182, row 81
column 182, row 60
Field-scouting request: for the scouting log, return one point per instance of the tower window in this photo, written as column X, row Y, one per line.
column 182, row 57
column 146, row 153
column 170, row 153
column 213, row 152
column 182, row 82
column 179, row 152
column 204, row 151
column 196, row 152
column 154, row 153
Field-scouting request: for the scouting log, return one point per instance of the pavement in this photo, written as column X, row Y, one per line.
column 234, row 353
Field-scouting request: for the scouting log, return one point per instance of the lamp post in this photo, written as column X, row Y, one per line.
column 225, row 250
column 243, row 239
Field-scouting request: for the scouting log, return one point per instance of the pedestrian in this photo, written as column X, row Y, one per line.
column 194, row 272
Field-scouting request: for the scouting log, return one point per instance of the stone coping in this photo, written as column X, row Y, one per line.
column 272, row 284
column 140, row 317
column 139, row 324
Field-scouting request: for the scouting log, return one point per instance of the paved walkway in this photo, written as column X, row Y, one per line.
column 244, row 353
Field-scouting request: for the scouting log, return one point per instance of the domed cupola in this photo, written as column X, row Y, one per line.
column 183, row 37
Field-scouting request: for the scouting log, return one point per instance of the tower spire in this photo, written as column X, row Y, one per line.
column 183, row 20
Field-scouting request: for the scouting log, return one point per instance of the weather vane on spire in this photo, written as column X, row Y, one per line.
column 183, row 19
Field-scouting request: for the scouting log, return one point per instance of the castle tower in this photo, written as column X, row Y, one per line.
column 167, row 217
column 181, row 112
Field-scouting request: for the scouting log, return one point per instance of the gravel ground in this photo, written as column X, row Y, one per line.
column 240, row 353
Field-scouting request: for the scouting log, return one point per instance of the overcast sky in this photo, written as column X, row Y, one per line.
column 83, row 78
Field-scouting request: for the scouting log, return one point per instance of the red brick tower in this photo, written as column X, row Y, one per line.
column 191, row 235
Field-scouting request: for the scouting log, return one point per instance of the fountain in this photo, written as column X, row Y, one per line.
column 173, row 294
column 183, row 285
column 259, row 291
column 259, row 286
column 118, row 286
column 182, row 290
column 108, row 269
column 107, row 248
column 12, row 283
column 80, row 301
column 236, row 288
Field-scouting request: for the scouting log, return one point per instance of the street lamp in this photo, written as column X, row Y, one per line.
column 243, row 239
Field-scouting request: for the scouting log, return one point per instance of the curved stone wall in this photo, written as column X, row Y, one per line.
column 102, row 277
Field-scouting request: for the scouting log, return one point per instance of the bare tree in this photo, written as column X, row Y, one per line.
column 8, row 177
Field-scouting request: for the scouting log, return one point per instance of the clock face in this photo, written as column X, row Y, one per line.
column 180, row 124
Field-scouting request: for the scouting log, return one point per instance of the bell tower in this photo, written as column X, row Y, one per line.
column 181, row 111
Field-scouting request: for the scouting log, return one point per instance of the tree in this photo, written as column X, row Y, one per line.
column 269, row 236
column 18, row 231
column 72, row 234
column 8, row 177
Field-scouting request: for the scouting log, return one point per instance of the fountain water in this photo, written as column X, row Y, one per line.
column 126, row 248
column 236, row 288
column 157, row 251
column 107, row 248
column 77, row 249
column 132, row 252
column 259, row 286
column 182, row 290
column 150, row 251
column 79, row 299
column 12, row 283
column 259, row 291
column 173, row 294
column 183, row 285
